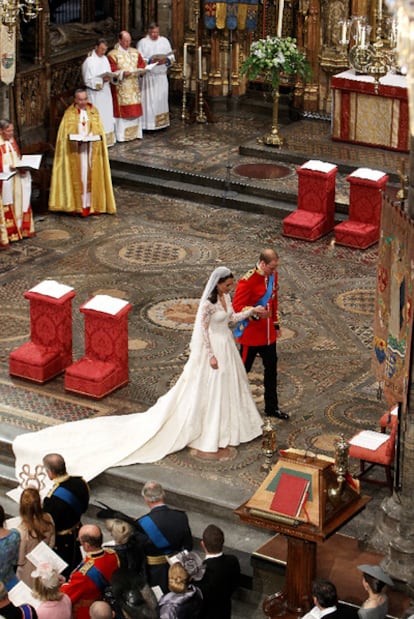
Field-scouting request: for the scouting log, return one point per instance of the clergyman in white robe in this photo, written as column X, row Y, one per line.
column 154, row 84
column 98, row 88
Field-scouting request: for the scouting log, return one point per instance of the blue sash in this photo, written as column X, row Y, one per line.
column 240, row 327
column 27, row 611
column 155, row 535
column 97, row 578
column 68, row 497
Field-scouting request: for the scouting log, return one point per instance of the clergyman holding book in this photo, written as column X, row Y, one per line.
column 81, row 176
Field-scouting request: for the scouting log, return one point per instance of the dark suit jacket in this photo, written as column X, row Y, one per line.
column 66, row 518
column 220, row 581
column 174, row 526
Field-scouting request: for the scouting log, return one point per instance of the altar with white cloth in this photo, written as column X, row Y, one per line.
column 361, row 116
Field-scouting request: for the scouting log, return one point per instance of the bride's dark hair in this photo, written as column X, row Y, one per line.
column 214, row 294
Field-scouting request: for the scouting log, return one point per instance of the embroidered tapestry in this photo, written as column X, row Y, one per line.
column 394, row 302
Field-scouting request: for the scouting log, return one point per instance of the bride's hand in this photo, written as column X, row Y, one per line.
column 259, row 310
column 214, row 363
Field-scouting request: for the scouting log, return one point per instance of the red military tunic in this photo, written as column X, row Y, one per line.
column 81, row 589
column 250, row 289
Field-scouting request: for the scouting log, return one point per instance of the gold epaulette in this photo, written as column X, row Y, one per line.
column 110, row 551
column 249, row 274
column 86, row 567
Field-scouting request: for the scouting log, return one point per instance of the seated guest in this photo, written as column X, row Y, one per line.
column 185, row 599
column 129, row 542
column 101, row 610
column 66, row 502
column 221, row 578
column 36, row 526
column 46, row 588
column 129, row 593
column 374, row 580
column 325, row 599
column 10, row 611
column 88, row 581
column 9, row 552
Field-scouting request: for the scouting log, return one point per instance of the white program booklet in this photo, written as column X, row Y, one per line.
column 22, row 594
column 42, row 553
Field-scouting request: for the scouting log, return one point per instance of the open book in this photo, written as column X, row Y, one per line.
column 5, row 176
column 158, row 57
column 149, row 67
column 77, row 137
column 32, row 162
column 50, row 288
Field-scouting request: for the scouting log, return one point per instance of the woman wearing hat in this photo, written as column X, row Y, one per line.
column 374, row 580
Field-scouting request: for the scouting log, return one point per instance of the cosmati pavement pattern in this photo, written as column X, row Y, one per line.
column 157, row 253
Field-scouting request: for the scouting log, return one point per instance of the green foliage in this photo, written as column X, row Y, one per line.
column 272, row 56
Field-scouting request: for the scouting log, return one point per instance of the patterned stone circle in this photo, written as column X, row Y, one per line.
column 128, row 252
column 357, row 301
column 177, row 314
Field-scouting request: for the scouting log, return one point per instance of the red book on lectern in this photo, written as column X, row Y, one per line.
column 290, row 495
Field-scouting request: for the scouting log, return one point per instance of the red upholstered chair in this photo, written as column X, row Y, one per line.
column 49, row 351
column 382, row 456
column 314, row 216
column 362, row 229
column 104, row 367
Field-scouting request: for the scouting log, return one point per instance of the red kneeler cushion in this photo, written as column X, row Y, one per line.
column 91, row 377
column 356, row 234
column 305, row 225
column 35, row 362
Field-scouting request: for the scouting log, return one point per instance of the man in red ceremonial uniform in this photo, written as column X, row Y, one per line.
column 89, row 580
column 258, row 337
column 127, row 62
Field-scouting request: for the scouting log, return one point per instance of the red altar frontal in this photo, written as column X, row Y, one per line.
column 104, row 367
column 49, row 351
column 362, row 116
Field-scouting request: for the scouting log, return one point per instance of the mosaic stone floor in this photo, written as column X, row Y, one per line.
column 157, row 252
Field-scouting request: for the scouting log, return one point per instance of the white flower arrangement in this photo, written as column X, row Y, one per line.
column 274, row 56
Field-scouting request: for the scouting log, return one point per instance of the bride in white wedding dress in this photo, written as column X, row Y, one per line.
column 210, row 406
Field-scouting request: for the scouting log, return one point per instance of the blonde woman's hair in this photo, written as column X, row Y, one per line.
column 178, row 578
column 49, row 593
column 119, row 529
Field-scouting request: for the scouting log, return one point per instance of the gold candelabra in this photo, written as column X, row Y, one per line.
column 268, row 444
column 10, row 10
column 375, row 58
column 340, row 467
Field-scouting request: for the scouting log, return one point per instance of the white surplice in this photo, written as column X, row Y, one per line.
column 206, row 409
column 99, row 92
column 154, row 84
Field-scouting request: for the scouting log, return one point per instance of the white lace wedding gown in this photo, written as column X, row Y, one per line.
column 206, row 409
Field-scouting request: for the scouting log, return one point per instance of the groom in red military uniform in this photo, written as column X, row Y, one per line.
column 258, row 337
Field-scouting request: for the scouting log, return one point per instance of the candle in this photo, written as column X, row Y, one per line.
column 185, row 61
column 280, row 18
column 363, row 31
column 200, row 63
column 379, row 10
column 343, row 35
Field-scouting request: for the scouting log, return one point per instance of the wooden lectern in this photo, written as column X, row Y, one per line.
column 313, row 505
